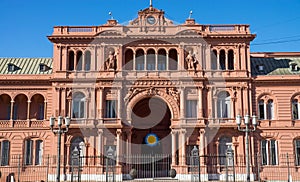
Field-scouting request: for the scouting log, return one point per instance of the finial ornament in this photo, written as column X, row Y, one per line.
column 110, row 14
column 150, row 3
column 191, row 12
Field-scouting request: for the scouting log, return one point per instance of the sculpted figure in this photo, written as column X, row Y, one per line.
column 111, row 61
column 190, row 61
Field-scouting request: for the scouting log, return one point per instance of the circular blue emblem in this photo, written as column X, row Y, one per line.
column 151, row 139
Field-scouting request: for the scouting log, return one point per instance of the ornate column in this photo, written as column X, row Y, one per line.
column 182, row 161
column 45, row 109
column 28, row 109
column 208, row 57
column 128, row 145
column 92, row 104
column 218, row 60
column 167, row 61
column 64, row 57
column 100, row 105
column 119, row 103
column 145, row 61
column 173, row 133
column 226, row 60
column 69, row 100
column 240, row 97
column 12, row 109
column 202, row 145
column 119, row 146
column 237, row 59
column 75, row 61
column 156, row 60
column 63, row 102
column 232, row 107
column 134, row 61
column 101, row 144
column 182, row 104
column 200, row 103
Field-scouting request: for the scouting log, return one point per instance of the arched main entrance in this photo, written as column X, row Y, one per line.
column 151, row 121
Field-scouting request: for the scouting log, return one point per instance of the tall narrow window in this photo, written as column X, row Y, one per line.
column 224, row 143
column 139, row 60
column 222, row 60
column 38, row 152
column 5, row 107
column 111, row 109
column 78, row 144
column 5, row 144
column 129, row 59
column 295, row 109
column 71, row 61
column 269, row 152
column 191, row 108
column 261, row 109
column 87, row 61
column 78, row 106
column 270, row 109
column 214, row 60
column 230, row 60
column 223, row 105
column 173, row 59
column 151, row 59
column 161, row 63
column 28, row 152
column 297, row 152
column 79, row 61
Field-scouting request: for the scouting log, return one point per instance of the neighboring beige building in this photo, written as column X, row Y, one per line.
column 182, row 85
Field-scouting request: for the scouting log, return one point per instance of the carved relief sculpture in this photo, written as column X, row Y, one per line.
column 111, row 61
column 191, row 61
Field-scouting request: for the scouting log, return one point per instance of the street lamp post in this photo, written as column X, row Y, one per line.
column 247, row 130
column 59, row 132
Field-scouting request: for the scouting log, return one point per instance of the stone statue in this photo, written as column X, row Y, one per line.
column 111, row 61
column 191, row 61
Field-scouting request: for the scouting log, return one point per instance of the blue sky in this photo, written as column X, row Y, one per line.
column 25, row 24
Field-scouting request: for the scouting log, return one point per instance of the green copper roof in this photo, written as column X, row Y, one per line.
column 26, row 66
column 275, row 66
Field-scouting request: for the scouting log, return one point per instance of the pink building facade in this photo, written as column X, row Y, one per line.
column 151, row 87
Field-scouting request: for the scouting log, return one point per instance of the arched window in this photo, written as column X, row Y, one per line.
column 78, row 106
column 150, row 59
column 223, row 105
column 33, row 151
column 20, row 107
column 222, row 60
column 266, row 109
column 139, row 60
column 37, row 107
column 129, row 59
column 269, row 152
column 214, row 60
column 5, row 107
column 79, row 61
column 162, row 58
column 297, row 151
column 173, row 59
column 224, row 143
column 78, row 144
column 230, row 60
column 71, row 61
column 5, row 150
column 261, row 109
column 270, row 109
column 87, row 61
column 295, row 109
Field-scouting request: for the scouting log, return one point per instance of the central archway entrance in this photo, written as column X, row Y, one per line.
column 151, row 121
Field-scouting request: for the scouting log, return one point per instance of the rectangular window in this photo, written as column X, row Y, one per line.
column 4, row 153
column 15, row 113
column 41, row 112
column 111, row 109
column 269, row 152
column 261, row 110
column 270, row 110
column 28, row 152
column 191, row 108
column 8, row 112
column 38, row 152
column 297, row 152
column 295, row 110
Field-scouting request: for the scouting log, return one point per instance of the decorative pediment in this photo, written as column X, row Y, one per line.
column 111, row 33
column 190, row 32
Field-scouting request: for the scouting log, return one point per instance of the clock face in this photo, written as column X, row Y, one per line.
column 151, row 20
